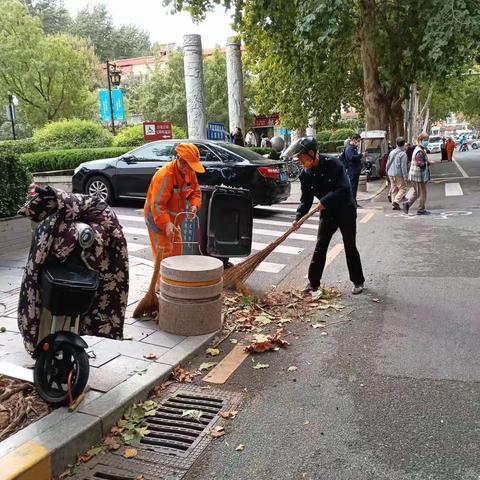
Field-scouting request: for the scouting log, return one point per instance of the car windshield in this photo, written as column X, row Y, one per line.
column 241, row 151
column 435, row 139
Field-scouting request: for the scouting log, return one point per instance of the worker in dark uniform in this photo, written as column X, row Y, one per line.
column 324, row 177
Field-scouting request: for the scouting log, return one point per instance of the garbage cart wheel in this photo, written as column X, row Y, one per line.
column 52, row 371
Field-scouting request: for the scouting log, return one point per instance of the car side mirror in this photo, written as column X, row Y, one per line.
column 128, row 158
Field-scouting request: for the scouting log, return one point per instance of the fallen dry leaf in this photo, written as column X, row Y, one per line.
column 213, row 352
column 115, row 430
column 111, row 443
column 263, row 343
column 376, row 300
column 182, row 375
column 259, row 366
column 206, row 366
column 306, row 422
column 150, row 356
column 292, row 369
column 324, row 334
column 240, row 448
column 234, row 341
column 130, row 453
column 139, row 477
column 229, row 415
column 217, row 432
column 319, row 325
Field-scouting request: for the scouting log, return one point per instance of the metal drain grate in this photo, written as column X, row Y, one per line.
column 173, row 432
column 174, row 441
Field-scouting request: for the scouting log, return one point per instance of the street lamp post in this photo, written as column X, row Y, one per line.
column 113, row 78
column 11, row 114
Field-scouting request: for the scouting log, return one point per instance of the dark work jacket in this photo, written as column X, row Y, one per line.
column 353, row 159
column 328, row 182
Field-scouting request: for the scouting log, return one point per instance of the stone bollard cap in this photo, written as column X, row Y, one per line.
column 191, row 268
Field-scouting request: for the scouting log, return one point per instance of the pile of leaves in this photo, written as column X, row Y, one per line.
column 20, row 405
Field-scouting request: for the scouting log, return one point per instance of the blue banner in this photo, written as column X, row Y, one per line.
column 118, row 110
column 215, row 131
column 104, row 102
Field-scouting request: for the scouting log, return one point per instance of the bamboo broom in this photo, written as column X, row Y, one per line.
column 148, row 305
column 243, row 270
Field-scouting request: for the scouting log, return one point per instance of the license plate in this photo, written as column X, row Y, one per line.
column 283, row 176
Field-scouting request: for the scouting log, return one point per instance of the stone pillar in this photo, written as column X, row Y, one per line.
column 236, row 109
column 193, row 65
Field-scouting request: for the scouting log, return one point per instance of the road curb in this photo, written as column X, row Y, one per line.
column 45, row 448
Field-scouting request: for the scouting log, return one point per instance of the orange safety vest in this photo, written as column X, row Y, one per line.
column 170, row 193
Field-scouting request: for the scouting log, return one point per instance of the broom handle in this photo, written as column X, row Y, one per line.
column 299, row 223
column 156, row 271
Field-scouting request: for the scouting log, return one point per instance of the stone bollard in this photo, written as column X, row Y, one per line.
column 362, row 183
column 191, row 299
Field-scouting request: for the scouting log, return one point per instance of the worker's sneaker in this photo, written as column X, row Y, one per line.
column 309, row 288
column 357, row 288
column 395, row 206
column 423, row 212
column 405, row 207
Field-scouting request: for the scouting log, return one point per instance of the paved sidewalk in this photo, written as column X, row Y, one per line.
column 119, row 371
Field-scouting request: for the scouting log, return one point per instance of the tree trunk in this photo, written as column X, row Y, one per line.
column 373, row 95
column 396, row 119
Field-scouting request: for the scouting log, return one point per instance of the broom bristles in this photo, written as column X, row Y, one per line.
column 243, row 270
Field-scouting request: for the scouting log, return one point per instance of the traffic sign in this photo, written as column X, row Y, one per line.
column 216, row 131
column 157, row 131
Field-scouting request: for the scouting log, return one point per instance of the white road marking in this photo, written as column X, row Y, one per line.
column 131, row 218
column 462, row 171
column 280, row 208
column 453, row 190
column 135, row 247
column 280, row 249
column 293, row 236
column 266, row 267
column 136, row 231
column 265, row 221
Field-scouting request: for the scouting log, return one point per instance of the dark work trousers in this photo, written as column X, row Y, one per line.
column 347, row 223
column 353, row 176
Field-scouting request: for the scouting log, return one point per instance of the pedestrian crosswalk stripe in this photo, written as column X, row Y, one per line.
column 135, row 247
column 131, row 218
column 279, row 208
column 266, row 221
column 280, row 249
column 266, row 267
column 293, row 236
column 453, row 190
column 136, row 231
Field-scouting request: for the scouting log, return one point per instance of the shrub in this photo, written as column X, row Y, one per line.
column 72, row 134
column 14, row 183
column 324, row 135
column 68, row 159
column 272, row 154
column 17, row 147
column 178, row 132
column 341, row 134
column 130, row 137
column 330, row 147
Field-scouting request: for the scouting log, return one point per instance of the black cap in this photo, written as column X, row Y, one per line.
column 302, row 145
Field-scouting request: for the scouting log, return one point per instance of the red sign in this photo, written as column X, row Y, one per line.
column 267, row 121
column 157, row 131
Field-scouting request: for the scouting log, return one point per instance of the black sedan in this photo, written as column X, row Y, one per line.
column 129, row 175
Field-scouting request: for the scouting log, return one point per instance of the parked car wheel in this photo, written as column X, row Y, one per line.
column 99, row 187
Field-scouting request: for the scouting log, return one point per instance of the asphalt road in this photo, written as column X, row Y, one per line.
column 394, row 392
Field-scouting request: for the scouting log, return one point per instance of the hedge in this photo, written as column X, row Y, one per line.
column 341, row 134
column 16, row 147
column 324, row 135
column 68, row 159
column 14, row 183
column 129, row 137
column 330, row 147
column 272, row 154
column 72, row 134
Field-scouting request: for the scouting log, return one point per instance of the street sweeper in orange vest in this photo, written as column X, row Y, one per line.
column 173, row 189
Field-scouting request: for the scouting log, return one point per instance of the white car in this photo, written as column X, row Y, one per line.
column 434, row 145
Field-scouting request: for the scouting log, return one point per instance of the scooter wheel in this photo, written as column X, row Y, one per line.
column 53, row 368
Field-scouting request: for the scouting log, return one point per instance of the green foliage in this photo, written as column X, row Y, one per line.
column 95, row 24
column 341, row 134
column 72, row 134
column 14, row 183
column 330, row 147
column 68, row 159
column 16, row 147
column 178, row 132
column 129, row 137
column 352, row 124
column 50, row 75
column 324, row 135
column 272, row 154
column 52, row 14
